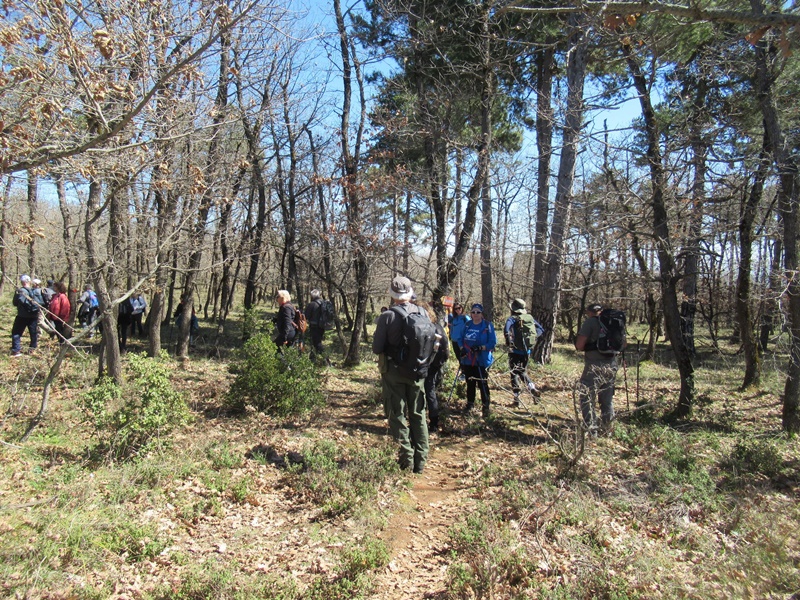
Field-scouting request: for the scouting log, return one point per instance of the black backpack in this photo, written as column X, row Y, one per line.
column 414, row 356
column 612, row 331
column 326, row 314
column 24, row 299
column 125, row 308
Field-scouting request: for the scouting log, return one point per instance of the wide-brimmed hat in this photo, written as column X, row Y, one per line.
column 517, row 305
column 401, row 289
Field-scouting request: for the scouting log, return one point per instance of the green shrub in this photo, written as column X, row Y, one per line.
column 353, row 575
column 756, row 457
column 680, row 472
column 278, row 384
column 128, row 419
column 340, row 479
column 487, row 559
column 252, row 323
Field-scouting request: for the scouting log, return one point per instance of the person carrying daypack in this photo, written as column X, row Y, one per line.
column 124, row 319
column 88, row 305
column 285, row 328
column 601, row 338
column 520, row 334
column 319, row 313
column 441, row 353
column 27, row 317
column 48, row 293
column 404, row 341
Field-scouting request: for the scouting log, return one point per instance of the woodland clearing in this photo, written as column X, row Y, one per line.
column 250, row 506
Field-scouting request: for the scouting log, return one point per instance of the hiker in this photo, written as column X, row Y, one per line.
column 476, row 340
column 27, row 317
column 139, row 307
column 403, row 397
column 318, row 313
column 434, row 375
column 88, row 306
column 599, row 373
column 284, row 326
column 48, row 293
column 520, row 334
column 194, row 324
column 59, row 310
column 456, row 321
column 124, row 320
column 36, row 290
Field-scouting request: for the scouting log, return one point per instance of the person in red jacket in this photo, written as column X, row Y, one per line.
column 59, row 310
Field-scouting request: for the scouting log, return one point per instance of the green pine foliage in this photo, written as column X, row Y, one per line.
column 278, row 384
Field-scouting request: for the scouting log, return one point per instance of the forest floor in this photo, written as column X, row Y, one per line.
column 506, row 508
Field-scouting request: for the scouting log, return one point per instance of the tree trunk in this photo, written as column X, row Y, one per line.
column 487, row 95
column 548, row 303
column 109, row 345
column 787, row 206
column 545, row 67
column 350, row 186
column 752, row 353
column 33, row 185
column 666, row 260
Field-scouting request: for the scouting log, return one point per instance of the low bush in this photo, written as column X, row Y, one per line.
column 352, row 578
column 751, row 456
column 282, row 385
column 128, row 419
column 340, row 479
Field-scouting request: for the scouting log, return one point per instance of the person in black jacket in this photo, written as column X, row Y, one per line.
column 434, row 375
column 284, row 326
column 316, row 323
column 27, row 317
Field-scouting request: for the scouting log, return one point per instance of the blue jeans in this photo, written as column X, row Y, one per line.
column 20, row 324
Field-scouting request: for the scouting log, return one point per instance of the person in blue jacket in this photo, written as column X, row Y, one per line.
column 456, row 321
column 476, row 341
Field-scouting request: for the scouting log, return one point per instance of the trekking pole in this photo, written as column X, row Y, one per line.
column 625, row 377
column 455, row 381
column 638, row 361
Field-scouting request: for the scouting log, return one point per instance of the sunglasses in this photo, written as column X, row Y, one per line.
column 475, row 312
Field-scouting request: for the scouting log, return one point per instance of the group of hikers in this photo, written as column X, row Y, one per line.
column 292, row 325
column 49, row 308
column 411, row 348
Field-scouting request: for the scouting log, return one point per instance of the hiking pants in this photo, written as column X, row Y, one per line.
column 597, row 383
column 432, row 401
column 518, row 363
column 476, row 377
column 404, row 405
column 19, row 327
column 317, row 334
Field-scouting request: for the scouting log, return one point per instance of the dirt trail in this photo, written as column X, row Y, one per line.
column 417, row 532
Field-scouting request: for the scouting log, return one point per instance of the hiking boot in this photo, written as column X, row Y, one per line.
column 16, row 354
column 485, row 412
column 515, row 404
column 418, row 469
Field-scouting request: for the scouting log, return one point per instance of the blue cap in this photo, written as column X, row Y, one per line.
column 477, row 306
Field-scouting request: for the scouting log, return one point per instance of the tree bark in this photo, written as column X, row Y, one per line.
column 548, row 304
column 787, row 206
column 666, row 260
